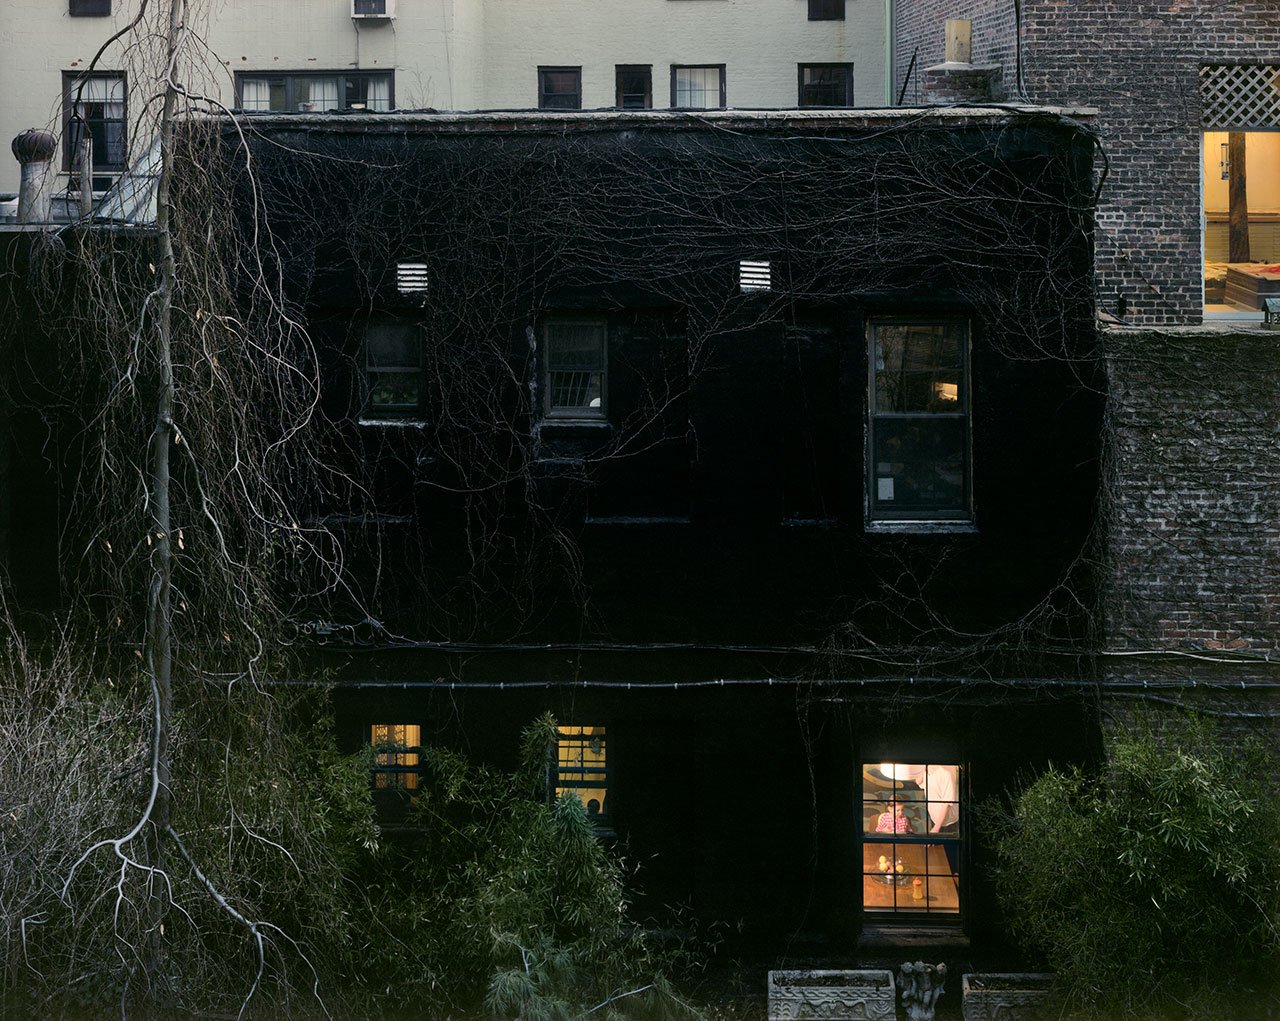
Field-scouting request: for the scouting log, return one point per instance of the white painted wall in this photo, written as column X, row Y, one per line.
column 449, row 54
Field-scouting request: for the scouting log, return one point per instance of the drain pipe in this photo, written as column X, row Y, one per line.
column 34, row 150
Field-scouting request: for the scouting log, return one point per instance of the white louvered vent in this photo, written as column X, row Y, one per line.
column 755, row 275
column 411, row 278
column 1240, row 96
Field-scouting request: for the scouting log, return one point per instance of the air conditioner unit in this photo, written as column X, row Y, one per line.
column 373, row 10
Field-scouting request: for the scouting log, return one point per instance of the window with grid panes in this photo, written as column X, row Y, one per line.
column 911, row 842
column 95, row 104
column 826, row 85
column 634, row 86
column 582, row 769
column 697, row 87
column 575, row 374
column 559, row 88
column 396, row 751
column 918, row 430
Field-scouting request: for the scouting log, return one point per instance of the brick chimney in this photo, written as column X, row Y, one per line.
column 957, row 79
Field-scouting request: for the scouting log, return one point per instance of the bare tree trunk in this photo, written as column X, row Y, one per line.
column 159, row 651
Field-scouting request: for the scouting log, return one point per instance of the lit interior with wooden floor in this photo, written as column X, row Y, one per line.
column 1241, row 220
column 911, row 838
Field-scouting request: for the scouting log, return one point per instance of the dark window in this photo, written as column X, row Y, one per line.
column 634, row 86
column 559, row 88
column 96, row 105
column 89, row 8
column 911, row 844
column 826, row 10
column 396, row 747
column 826, row 84
column 367, row 7
column 315, row 92
column 918, row 442
column 582, row 770
column 697, row 86
column 393, row 369
column 575, row 369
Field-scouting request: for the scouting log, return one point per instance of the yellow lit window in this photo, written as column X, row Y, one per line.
column 582, row 769
column 396, row 747
column 911, row 838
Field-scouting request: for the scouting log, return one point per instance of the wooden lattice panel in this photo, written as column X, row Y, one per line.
column 1240, row 96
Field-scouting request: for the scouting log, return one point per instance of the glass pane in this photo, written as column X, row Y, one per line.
column 575, row 346
column 919, row 465
column 576, row 390
column 633, row 90
column 394, row 389
column 396, row 767
column 920, row 368
column 393, row 345
column 316, row 95
column 698, row 88
column 582, row 767
column 560, row 90
column 825, row 86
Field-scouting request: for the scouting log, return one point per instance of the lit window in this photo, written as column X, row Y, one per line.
column 582, row 769
column 918, row 447
column 396, row 747
column 315, row 93
column 634, row 86
column 393, row 368
column 95, row 105
column 699, row 87
column 559, row 88
column 826, row 85
column 911, row 846
column 575, row 369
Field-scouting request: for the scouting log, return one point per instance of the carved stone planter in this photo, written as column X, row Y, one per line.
column 990, row 996
column 838, row 995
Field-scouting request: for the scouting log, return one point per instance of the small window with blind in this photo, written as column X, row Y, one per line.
column 396, row 751
column 698, row 87
column 582, row 770
column 575, row 368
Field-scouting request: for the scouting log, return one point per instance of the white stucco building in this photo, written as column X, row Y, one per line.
column 320, row 55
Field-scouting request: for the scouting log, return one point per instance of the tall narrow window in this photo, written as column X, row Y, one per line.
column 95, row 105
column 396, row 748
column 575, row 369
column 697, row 87
column 582, row 769
column 634, row 86
column 826, row 10
column 393, row 369
column 918, row 435
column 559, row 88
column 826, row 85
column 911, row 845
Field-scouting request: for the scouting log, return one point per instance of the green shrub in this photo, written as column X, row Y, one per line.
column 1154, row 887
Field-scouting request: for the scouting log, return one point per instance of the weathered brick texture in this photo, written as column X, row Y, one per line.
column 1193, row 497
column 1138, row 62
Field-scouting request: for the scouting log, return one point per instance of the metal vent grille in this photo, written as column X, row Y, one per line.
column 1240, row 96
column 411, row 277
column 754, row 275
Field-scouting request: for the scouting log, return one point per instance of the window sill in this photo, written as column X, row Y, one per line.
column 877, row 935
column 922, row 528
column 392, row 423
column 638, row 520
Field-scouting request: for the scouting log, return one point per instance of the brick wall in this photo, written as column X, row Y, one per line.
column 1193, row 497
column 1138, row 62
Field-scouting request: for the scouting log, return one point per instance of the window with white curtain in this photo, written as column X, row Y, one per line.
column 95, row 104
column 315, row 93
column 697, row 87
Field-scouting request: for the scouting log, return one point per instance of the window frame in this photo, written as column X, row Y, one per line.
column 370, row 412
column 721, row 68
column 826, row 10
column 389, row 755
column 847, row 68
column 548, row 69
column 70, row 86
column 959, row 519
column 89, row 8
column 290, row 78
column 566, row 413
column 907, row 917
column 633, row 69
column 558, row 785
